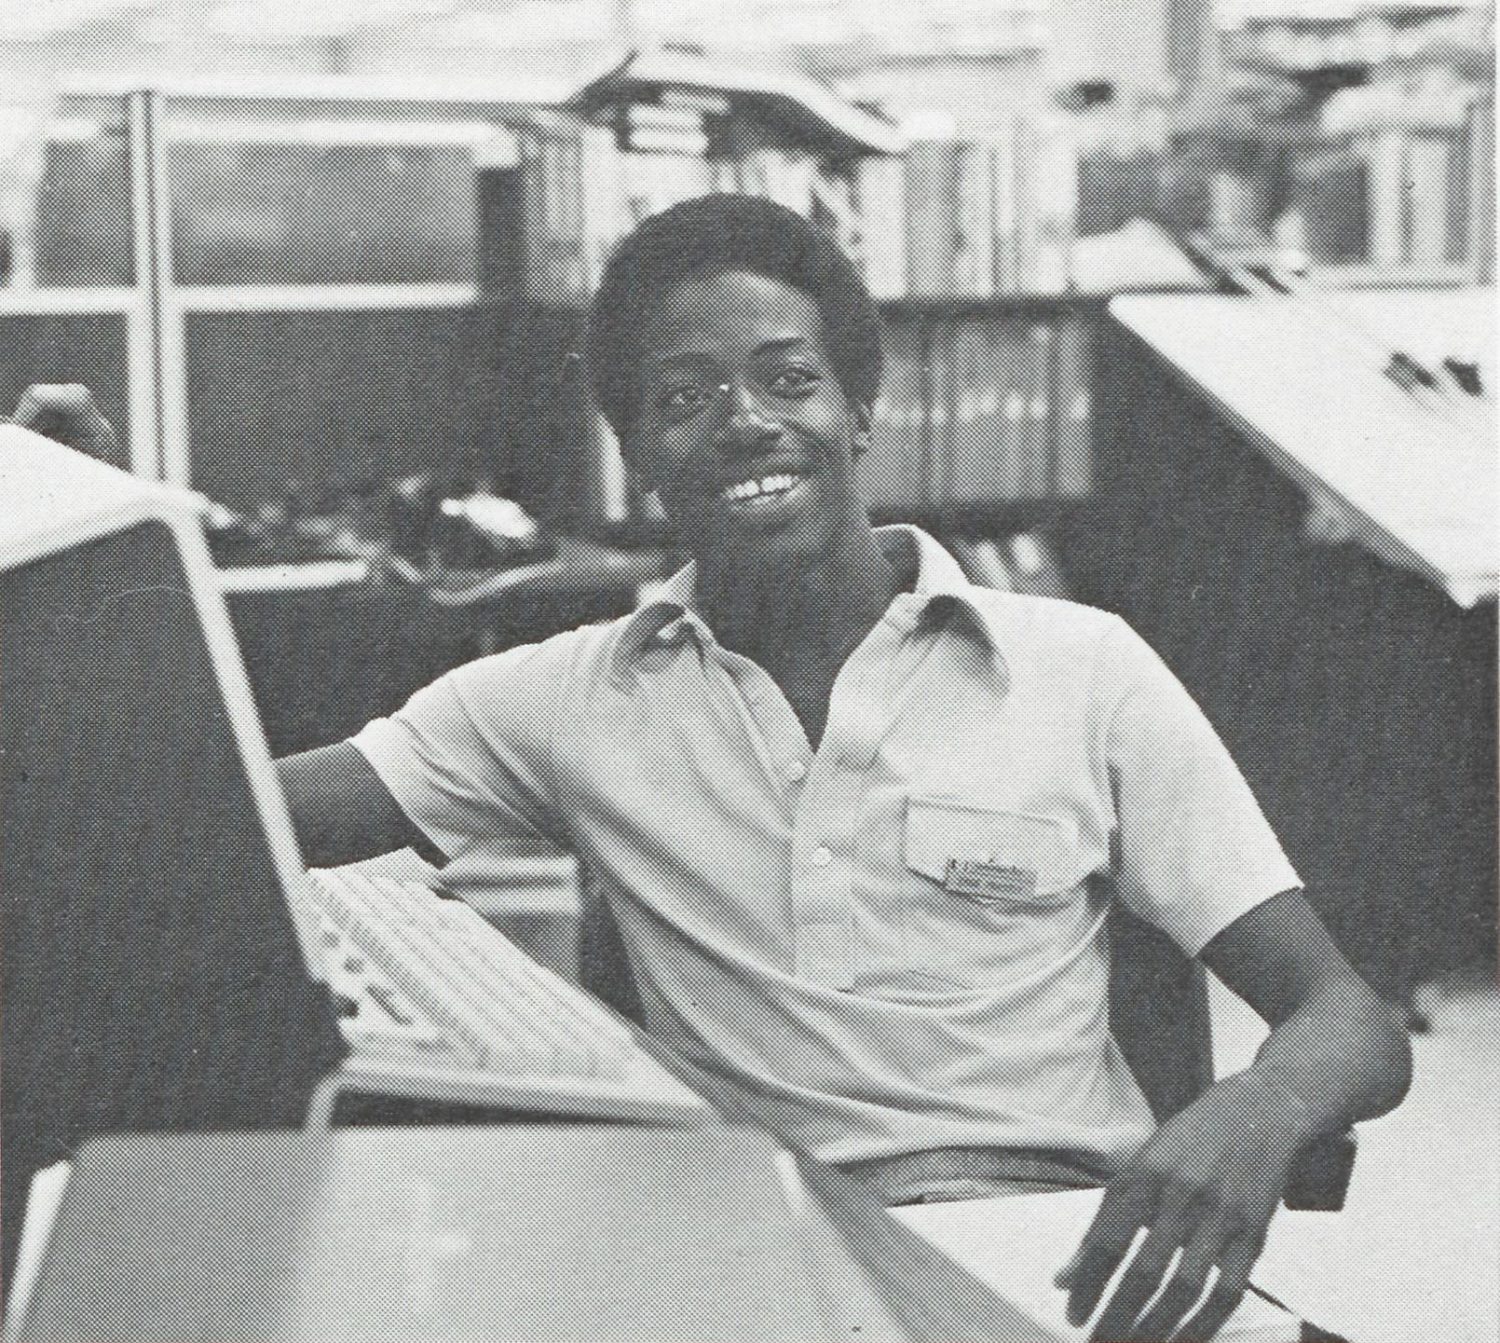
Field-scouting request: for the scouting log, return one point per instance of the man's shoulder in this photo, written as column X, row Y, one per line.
column 586, row 652
column 1023, row 623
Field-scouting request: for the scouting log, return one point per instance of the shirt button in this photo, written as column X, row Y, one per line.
column 796, row 771
column 822, row 856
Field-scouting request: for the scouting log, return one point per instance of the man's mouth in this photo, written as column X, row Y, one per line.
column 773, row 485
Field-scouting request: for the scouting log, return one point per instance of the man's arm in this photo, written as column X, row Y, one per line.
column 1210, row 1179
column 66, row 413
column 342, row 810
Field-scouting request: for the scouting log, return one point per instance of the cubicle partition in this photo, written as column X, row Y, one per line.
column 287, row 387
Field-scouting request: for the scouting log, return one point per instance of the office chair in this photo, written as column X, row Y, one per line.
column 1159, row 1013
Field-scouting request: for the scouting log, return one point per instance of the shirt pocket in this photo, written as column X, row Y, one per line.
column 990, row 892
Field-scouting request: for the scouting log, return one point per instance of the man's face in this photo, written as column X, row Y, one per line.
column 744, row 429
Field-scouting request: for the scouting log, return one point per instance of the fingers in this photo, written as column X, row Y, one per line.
column 1178, row 1205
column 1185, row 1289
column 1235, row 1264
column 1190, row 1233
column 1129, row 1205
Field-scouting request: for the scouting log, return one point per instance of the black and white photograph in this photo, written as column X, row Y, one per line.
column 748, row 671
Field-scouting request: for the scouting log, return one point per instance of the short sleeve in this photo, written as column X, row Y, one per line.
column 1195, row 852
column 467, row 758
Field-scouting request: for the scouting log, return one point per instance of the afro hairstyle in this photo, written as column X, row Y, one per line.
column 709, row 236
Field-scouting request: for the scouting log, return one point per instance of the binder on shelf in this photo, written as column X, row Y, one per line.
column 1386, row 154
column 1075, row 420
column 1430, row 175
column 931, row 225
column 1007, row 260
column 1479, row 193
column 973, row 212
column 881, row 199
column 602, row 198
column 1024, row 178
column 1037, row 394
column 974, row 464
column 893, row 470
column 1050, row 202
column 942, row 409
column 1008, row 353
column 550, row 181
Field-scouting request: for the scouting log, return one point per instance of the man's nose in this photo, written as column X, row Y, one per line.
column 744, row 424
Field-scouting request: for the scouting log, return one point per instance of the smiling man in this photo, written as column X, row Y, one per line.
column 860, row 822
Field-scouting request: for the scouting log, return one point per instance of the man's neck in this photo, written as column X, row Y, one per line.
column 820, row 610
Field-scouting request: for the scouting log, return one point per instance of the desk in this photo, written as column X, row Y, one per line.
column 1309, row 390
column 328, row 649
column 1355, row 692
column 576, row 1232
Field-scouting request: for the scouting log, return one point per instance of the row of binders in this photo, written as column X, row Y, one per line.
column 1427, row 195
column 947, row 218
column 970, row 218
column 1424, row 147
column 980, row 410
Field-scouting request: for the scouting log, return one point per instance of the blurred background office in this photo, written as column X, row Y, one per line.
column 1144, row 265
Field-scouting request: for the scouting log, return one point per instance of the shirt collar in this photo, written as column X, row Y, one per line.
column 670, row 614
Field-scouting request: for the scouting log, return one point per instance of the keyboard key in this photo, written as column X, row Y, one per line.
column 495, row 1006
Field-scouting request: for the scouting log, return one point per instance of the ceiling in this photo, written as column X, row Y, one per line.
column 941, row 24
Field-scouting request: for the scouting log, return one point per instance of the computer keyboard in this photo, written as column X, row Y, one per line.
column 500, row 1010
column 440, row 1004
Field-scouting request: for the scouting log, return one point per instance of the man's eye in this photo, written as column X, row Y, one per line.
column 795, row 379
column 682, row 400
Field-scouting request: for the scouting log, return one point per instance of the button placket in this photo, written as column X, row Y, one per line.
column 772, row 726
column 829, row 811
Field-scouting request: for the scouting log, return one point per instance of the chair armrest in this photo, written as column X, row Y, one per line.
column 1320, row 1176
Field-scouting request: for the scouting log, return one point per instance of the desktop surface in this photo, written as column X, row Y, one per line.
column 1308, row 382
column 570, row 1232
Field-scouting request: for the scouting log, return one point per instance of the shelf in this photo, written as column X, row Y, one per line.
column 1441, row 275
column 321, row 297
column 66, row 301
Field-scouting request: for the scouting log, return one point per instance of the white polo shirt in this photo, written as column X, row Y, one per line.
column 895, row 940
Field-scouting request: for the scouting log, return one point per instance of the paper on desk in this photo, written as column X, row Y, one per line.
column 1017, row 1245
column 42, row 1202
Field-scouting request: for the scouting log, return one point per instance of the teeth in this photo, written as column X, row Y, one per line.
column 750, row 489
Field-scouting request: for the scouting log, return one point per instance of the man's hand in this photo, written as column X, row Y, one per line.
column 1207, row 1184
column 66, row 413
column 1209, row 1180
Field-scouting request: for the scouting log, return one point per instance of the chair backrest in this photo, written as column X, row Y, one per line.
column 603, row 967
column 1159, row 1013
